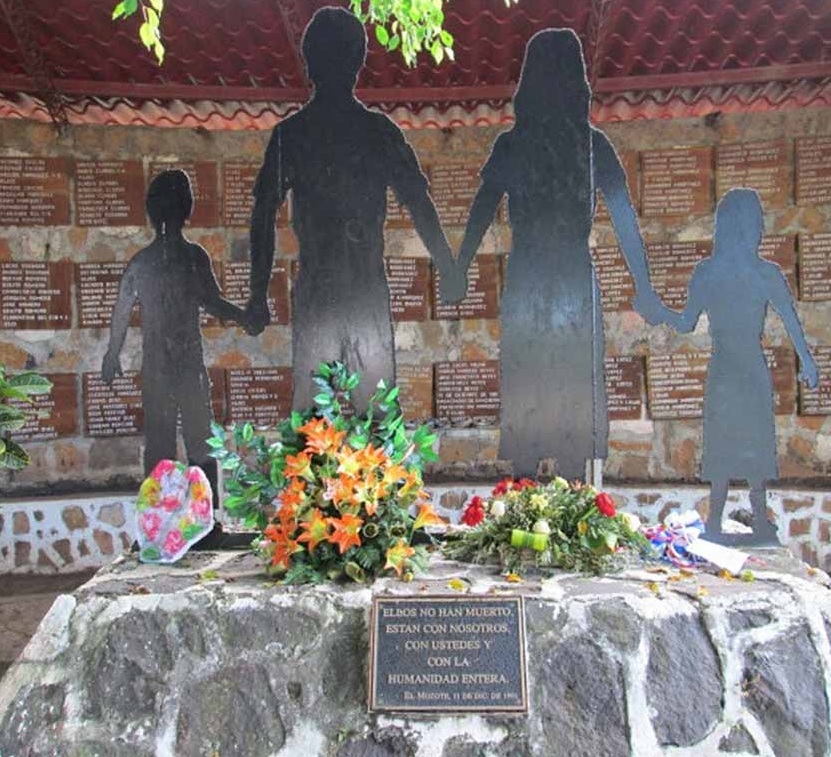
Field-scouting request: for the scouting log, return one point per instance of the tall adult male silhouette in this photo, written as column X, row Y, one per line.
column 338, row 159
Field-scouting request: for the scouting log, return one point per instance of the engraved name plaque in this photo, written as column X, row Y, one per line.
column 259, row 395
column 36, row 295
column 677, row 182
column 96, row 290
column 453, row 186
column 34, row 192
column 670, row 267
column 815, row 267
column 614, row 279
column 763, row 166
column 409, row 283
column 109, row 193
column 813, row 170
column 447, row 654
column 113, row 410
column 468, row 391
column 624, row 387
column 238, row 178
column 415, row 383
column 397, row 215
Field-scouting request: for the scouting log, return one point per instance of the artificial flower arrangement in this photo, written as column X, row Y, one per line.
column 333, row 493
column 555, row 525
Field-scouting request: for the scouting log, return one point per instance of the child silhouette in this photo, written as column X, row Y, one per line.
column 172, row 278
column 734, row 287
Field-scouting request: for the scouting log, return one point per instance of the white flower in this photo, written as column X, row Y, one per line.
column 542, row 527
column 560, row 482
column 497, row 508
column 633, row 522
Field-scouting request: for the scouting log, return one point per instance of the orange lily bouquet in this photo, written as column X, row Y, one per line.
column 336, row 495
column 345, row 511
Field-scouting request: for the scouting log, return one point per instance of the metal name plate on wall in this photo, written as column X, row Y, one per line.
column 448, row 654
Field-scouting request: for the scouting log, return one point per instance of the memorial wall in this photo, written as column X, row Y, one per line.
column 71, row 215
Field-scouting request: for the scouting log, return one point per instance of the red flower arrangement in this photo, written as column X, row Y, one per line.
column 605, row 505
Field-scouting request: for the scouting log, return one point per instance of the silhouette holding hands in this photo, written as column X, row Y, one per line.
column 734, row 288
column 338, row 159
column 552, row 345
column 172, row 278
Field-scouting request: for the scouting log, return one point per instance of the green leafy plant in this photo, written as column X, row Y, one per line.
column 411, row 26
column 331, row 490
column 150, row 32
column 555, row 525
column 13, row 391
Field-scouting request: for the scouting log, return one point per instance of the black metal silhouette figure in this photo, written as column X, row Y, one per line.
column 552, row 345
column 172, row 278
column 338, row 159
column 734, row 287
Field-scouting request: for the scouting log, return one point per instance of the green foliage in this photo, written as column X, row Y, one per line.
column 18, row 388
column 150, row 28
column 411, row 26
column 307, row 468
column 580, row 536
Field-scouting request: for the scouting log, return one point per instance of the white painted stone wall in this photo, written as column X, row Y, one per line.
column 71, row 534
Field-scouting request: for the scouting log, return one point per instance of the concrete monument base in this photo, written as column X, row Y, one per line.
column 208, row 658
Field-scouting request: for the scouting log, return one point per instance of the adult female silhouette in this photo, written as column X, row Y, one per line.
column 734, row 287
column 549, row 164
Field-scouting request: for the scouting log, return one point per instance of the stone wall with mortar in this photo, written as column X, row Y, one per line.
column 146, row 660
column 642, row 449
column 67, row 535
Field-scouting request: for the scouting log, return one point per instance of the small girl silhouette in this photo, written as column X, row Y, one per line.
column 734, row 287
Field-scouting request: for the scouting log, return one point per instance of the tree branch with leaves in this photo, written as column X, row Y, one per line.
column 409, row 26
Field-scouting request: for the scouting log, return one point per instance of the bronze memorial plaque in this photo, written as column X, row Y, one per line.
column 34, row 192
column 818, row 401
column 96, row 290
column 203, row 182
column 115, row 410
column 763, row 166
column 670, row 267
column 815, row 267
column 453, row 186
column 468, row 392
column 397, row 215
column 259, row 395
column 415, row 383
column 677, row 182
column 238, row 178
column 109, row 193
column 236, row 287
column 624, row 387
column 52, row 415
column 675, row 384
column 36, row 295
column 613, row 278
column 813, row 170
column 629, row 160
column 482, row 298
column 409, row 282
column 448, row 654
